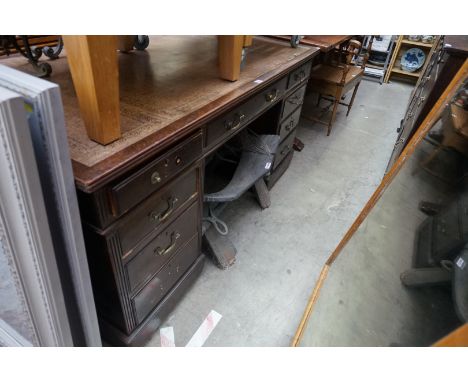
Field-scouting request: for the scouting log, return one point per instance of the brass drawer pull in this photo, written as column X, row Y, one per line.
column 154, row 216
column 155, row 177
column 296, row 100
column 162, row 252
column 236, row 121
column 285, row 150
column 270, row 97
column 290, row 125
column 299, row 76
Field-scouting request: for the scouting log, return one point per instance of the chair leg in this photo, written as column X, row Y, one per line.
column 352, row 98
column 319, row 99
column 332, row 119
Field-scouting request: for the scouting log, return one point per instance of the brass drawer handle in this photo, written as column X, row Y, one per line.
column 154, row 216
column 270, row 97
column 162, row 252
column 300, row 76
column 155, row 177
column 236, row 121
column 285, row 150
column 296, row 100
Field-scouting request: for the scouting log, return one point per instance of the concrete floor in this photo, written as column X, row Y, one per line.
column 281, row 250
column 362, row 301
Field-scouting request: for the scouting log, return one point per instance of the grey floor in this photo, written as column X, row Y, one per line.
column 281, row 250
column 362, row 301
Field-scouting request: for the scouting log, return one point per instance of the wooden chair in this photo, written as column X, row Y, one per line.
column 340, row 73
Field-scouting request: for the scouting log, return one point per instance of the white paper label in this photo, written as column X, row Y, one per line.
column 268, row 165
column 461, row 263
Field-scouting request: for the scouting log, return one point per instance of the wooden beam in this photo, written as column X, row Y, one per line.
column 125, row 43
column 95, row 74
column 457, row 338
column 248, row 41
column 310, row 305
column 229, row 56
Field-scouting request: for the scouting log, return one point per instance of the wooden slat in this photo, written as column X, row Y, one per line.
column 401, row 71
column 416, row 43
column 95, row 74
column 393, row 59
column 458, row 338
column 248, row 40
column 125, row 43
column 310, row 305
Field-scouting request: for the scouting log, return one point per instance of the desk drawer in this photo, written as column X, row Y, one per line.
column 150, row 178
column 223, row 127
column 299, row 75
column 152, row 257
column 294, row 101
column 147, row 299
column 289, row 123
column 284, row 148
column 158, row 209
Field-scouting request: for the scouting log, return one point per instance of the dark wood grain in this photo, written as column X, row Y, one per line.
column 456, row 44
column 325, row 43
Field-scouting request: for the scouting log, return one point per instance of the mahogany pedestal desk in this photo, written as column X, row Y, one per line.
column 141, row 196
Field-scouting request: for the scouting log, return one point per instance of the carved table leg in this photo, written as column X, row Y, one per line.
column 94, row 69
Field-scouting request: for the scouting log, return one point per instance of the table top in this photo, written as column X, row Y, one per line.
column 457, row 45
column 166, row 93
column 325, row 43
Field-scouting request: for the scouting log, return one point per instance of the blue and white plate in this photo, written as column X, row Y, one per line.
column 413, row 59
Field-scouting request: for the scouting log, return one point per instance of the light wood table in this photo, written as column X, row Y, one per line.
column 95, row 73
column 325, row 43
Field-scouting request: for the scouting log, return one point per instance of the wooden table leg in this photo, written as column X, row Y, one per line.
column 248, row 41
column 94, row 69
column 125, row 43
column 229, row 56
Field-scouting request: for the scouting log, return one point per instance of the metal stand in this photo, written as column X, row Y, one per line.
column 141, row 42
column 33, row 54
column 374, row 71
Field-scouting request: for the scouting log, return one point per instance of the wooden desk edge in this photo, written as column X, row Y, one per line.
column 89, row 179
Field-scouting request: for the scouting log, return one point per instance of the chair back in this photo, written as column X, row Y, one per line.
column 351, row 54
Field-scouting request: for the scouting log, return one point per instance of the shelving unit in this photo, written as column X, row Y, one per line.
column 382, row 45
column 402, row 43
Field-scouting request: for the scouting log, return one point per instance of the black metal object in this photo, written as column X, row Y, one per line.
column 295, row 40
column 31, row 53
column 254, row 162
column 141, row 42
column 53, row 52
